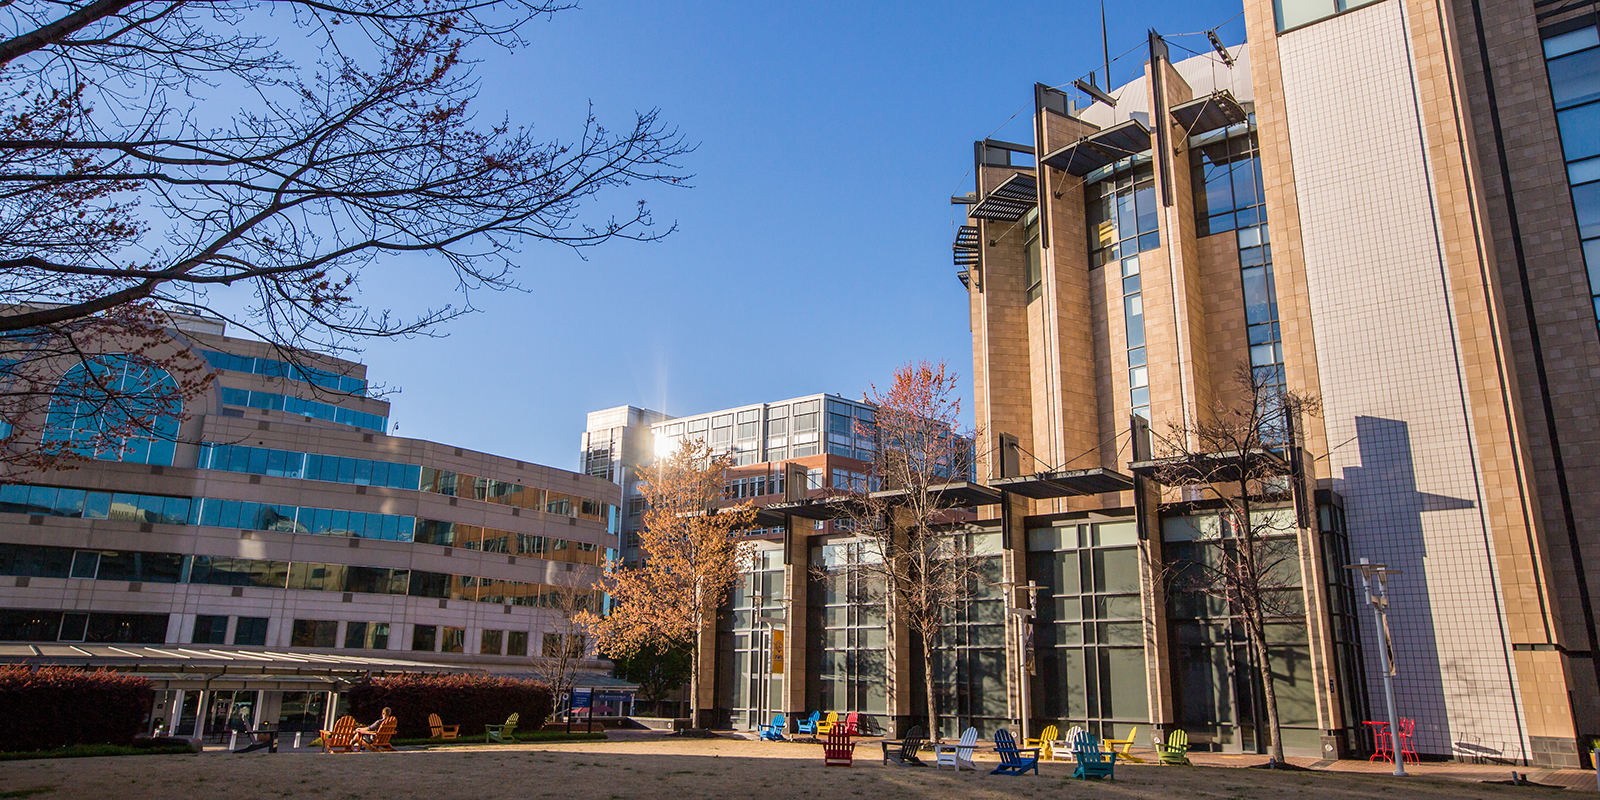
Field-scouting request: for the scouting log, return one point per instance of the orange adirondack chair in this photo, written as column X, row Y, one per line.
column 342, row 739
column 441, row 730
column 380, row 738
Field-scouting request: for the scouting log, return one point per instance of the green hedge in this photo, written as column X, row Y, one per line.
column 470, row 701
column 54, row 707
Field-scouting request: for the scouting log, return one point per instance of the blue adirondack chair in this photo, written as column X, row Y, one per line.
column 1092, row 761
column 1014, row 760
column 809, row 724
column 773, row 731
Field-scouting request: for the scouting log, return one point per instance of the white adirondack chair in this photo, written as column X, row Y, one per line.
column 957, row 756
column 1074, row 735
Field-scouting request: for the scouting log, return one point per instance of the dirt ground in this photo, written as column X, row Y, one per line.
column 667, row 769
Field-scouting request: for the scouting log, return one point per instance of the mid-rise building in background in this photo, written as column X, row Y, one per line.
column 273, row 534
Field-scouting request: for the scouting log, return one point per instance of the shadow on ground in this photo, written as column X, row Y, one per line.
column 621, row 770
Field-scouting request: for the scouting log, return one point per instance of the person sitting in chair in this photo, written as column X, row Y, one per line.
column 369, row 734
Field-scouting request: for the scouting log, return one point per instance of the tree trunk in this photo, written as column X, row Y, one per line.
column 694, row 685
column 1268, row 687
column 933, row 695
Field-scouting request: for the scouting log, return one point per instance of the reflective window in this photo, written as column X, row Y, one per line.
column 1121, row 205
column 306, row 408
column 116, row 407
column 284, row 369
column 309, row 466
column 1295, row 13
column 1574, row 65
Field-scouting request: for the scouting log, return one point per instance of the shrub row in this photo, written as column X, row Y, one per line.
column 46, row 708
column 470, row 701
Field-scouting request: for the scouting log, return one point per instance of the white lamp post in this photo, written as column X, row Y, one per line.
column 1024, row 642
column 1377, row 576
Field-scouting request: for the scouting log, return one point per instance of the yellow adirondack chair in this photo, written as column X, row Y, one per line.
column 825, row 726
column 1126, row 745
column 440, row 730
column 1046, row 742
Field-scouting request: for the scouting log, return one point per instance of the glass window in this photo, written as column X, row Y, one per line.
column 210, row 629
column 453, row 640
column 424, row 638
column 314, row 633
column 250, row 631
column 517, row 643
column 490, row 642
column 1580, row 131
column 1575, row 79
column 1571, row 42
column 116, row 407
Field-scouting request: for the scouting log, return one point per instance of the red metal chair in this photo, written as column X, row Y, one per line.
column 1407, row 750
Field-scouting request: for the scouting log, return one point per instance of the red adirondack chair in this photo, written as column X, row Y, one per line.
column 839, row 750
column 851, row 724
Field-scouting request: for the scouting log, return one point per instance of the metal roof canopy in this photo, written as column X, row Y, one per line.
column 180, row 660
column 1214, row 467
column 1205, row 114
column 1069, row 483
column 824, row 508
column 1101, row 148
column 1010, row 200
column 766, row 518
column 957, row 494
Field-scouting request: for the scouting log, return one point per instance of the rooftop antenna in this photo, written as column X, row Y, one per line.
column 1105, row 44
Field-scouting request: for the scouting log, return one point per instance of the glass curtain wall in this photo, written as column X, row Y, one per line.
column 1573, row 60
column 970, row 662
column 1089, row 639
column 1229, row 197
column 1218, row 691
column 849, row 633
column 746, row 655
column 1122, row 212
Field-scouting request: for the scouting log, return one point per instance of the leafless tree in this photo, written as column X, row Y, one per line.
column 1238, row 456
column 566, row 643
column 169, row 156
column 915, row 550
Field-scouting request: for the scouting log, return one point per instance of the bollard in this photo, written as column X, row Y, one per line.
column 233, row 741
column 297, row 740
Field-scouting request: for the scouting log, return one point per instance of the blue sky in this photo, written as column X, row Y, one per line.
column 813, row 251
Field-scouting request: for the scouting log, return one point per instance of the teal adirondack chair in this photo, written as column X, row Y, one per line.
column 1014, row 760
column 504, row 734
column 1092, row 761
column 809, row 724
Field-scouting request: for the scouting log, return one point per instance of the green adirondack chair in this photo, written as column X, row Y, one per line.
column 1175, row 753
column 503, row 734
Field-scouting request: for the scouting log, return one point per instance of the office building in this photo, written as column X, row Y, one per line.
column 272, row 542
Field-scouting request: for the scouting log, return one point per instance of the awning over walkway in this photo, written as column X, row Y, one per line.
column 180, row 664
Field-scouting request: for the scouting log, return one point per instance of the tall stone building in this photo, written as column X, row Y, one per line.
column 1392, row 206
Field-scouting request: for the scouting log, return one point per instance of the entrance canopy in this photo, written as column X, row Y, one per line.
column 176, row 666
